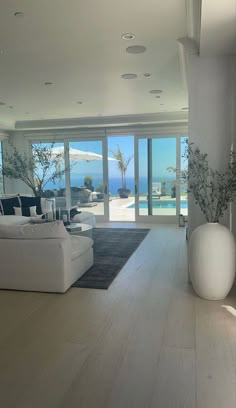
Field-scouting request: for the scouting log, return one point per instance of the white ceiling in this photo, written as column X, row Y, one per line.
column 77, row 45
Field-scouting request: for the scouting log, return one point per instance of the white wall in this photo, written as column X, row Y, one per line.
column 211, row 114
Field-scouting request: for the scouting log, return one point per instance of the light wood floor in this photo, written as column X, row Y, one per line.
column 147, row 342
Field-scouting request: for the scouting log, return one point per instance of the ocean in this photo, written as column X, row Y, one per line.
column 115, row 183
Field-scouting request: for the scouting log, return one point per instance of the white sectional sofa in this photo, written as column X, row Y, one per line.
column 46, row 206
column 42, row 257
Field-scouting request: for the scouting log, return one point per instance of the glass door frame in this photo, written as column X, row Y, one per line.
column 164, row 219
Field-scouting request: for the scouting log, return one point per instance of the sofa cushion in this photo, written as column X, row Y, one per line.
column 47, row 230
column 26, row 211
column 31, row 202
column 7, row 205
column 80, row 245
column 14, row 220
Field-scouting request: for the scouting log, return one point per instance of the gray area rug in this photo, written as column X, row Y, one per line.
column 112, row 249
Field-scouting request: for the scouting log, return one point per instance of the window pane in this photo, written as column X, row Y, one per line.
column 86, row 176
column 121, row 184
column 52, row 187
column 164, row 176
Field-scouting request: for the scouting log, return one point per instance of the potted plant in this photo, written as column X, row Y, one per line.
column 88, row 182
column 212, row 245
column 163, row 188
column 122, row 163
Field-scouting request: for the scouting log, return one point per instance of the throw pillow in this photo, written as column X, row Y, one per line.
column 17, row 210
column 31, row 202
column 7, row 205
column 26, row 211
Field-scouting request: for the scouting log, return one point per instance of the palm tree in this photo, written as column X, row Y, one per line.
column 122, row 163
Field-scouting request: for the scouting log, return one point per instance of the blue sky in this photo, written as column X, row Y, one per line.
column 164, row 155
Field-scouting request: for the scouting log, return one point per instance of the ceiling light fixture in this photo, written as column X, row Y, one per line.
column 79, row 102
column 48, row 83
column 10, row 107
column 147, row 74
column 128, row 36
column 155, row 91
column 19, row 14
column 157, row 96
column 136, row 49
column 129, row 76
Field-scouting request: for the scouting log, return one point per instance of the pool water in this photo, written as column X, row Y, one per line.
column 161, row 204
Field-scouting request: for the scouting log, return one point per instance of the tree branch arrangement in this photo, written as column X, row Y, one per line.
column 212, row 190
column 36, row 170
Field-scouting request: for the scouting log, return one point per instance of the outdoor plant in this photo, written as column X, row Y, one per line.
column 35, row 170
column 122, row 164
column 88, row 182
column 212, row 190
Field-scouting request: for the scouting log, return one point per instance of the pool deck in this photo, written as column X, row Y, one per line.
column 120, row 211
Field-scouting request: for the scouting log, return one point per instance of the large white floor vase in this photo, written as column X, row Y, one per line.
column 212, row 261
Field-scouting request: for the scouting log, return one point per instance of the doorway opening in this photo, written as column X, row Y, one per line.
column 121, row 178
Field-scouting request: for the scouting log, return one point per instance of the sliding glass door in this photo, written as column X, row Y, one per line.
column 95, row 179
column 87, row 181
column 160, row 192
column 121, row 178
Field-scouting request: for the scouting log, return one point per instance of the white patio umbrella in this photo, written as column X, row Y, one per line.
column 79, row 155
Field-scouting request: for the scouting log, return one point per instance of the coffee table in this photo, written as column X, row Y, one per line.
column 77, row 228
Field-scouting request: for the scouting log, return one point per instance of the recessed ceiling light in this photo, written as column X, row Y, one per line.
column 129, row 76
column 185, row 108
column 155, row 91
column 79, row 102
column 2, row 103
column 147, row 75
column 157, row 96
column 19, row 14
column 10, row 107
column 48, row 83
column 136, row 49
column 127, row 36
column 162, row 104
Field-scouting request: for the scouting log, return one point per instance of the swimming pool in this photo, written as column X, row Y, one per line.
column 161, row 204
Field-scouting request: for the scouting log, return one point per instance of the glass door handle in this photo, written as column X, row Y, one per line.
column 105, row 190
